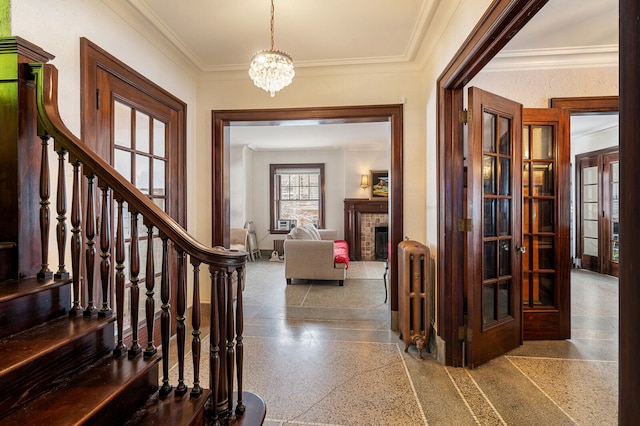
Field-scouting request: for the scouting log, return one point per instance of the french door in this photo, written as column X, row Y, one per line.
column 546, row 220
column 597, row 201
column 139, row 129
column 494, row 238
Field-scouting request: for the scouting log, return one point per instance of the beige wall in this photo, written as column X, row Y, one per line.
column 311, row 88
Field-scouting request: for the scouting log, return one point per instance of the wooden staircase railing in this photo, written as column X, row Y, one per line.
column 104, row 184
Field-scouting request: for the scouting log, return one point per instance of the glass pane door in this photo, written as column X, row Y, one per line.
column 497, row 203
column 598, row 195
column 493, row 203
column 539, row 207
column 139, row 155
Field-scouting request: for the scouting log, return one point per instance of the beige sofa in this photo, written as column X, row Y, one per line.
column 308, row 258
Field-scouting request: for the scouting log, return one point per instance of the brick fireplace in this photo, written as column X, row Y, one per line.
column 361, row 218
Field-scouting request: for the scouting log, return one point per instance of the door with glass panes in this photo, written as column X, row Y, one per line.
column 144, row 142
column 546, row 279
column 597, row 201
column 494, row 237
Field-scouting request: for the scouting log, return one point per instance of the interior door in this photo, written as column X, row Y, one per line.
column 610, row 216
column 546, row 174
column 597, row 200
column 494, row 239
column 139, row 137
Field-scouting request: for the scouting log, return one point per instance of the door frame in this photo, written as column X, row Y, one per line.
column 588, row 105
column 502, row 20
column 220, row 161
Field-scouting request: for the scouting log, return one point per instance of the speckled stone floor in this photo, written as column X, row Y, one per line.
column 320, row 354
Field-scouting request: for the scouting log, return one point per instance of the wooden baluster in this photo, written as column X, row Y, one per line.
column 90, row 232
column 196, row 314
column 230, row 337
column 76, row 240
column 134, row 268
column 61, row 209
column 44, row 208
column 150, row 305
column 240, row 408
column 120, row 348
column 165, row 316
column 221, row 325
column 105, row 248
column 181, row 329
column 214, row 344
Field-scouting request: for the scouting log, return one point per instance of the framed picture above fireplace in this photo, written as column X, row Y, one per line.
column 379, row 184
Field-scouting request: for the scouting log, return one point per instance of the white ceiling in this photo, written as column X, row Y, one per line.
column 222, row 35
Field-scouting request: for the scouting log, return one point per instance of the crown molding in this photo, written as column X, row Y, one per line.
column 554, row 58
column 130, row 12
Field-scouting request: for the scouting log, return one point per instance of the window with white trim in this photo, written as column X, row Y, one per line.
column 297, row 196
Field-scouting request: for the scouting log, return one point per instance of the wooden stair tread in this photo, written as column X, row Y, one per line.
column 12, row 289
column 21, row 348
column 255, row 409
column 171, row 410
column 84, row 395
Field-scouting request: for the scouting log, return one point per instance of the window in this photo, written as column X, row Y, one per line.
column 297, row 196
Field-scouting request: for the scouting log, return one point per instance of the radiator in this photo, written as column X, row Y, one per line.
column 414, row 302
column 278, row 245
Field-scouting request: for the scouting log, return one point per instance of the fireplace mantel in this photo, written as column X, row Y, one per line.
column 354, row 208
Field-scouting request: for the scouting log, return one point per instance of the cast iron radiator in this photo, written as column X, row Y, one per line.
column 414, row 303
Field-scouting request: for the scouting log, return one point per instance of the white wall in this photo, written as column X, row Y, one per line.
column 343, row 169
column 534, row 88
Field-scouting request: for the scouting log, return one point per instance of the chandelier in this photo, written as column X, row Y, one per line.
column 271, row 69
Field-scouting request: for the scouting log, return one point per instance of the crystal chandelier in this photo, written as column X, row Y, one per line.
column 271, row 69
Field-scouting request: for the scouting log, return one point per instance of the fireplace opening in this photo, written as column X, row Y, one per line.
column 381, row 234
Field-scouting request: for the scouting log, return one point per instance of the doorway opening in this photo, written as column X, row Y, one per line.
column 222, row 120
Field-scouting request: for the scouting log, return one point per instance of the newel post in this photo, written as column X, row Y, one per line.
column 20, row 155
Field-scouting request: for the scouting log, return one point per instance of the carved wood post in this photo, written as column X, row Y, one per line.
column 181, row 307
column 165, row 316
column 105, row 248
column 240, row 408
column 45, row 272
column 230, row 335
column 134, row 268
column 120, row 348
column 150, row 305
column 196, row 313
column 61, row 209
column 76, row 240
column 214, row 344
column 90, row 232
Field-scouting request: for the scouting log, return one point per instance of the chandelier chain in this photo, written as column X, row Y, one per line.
column 273, row 12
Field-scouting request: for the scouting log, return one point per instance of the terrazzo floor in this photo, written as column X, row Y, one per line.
column 320, row 354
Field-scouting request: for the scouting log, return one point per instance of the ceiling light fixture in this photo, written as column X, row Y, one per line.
column 271, row 69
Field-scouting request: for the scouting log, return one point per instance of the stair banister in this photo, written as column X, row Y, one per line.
column 223, row 264
column 49, row 121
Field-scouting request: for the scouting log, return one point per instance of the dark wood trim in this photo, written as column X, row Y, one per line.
column 501, row 22
column 629, row 343
column 365, row 113
column 92, row 58
column 586, row 104
column 354, row 208
column 272, row 203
